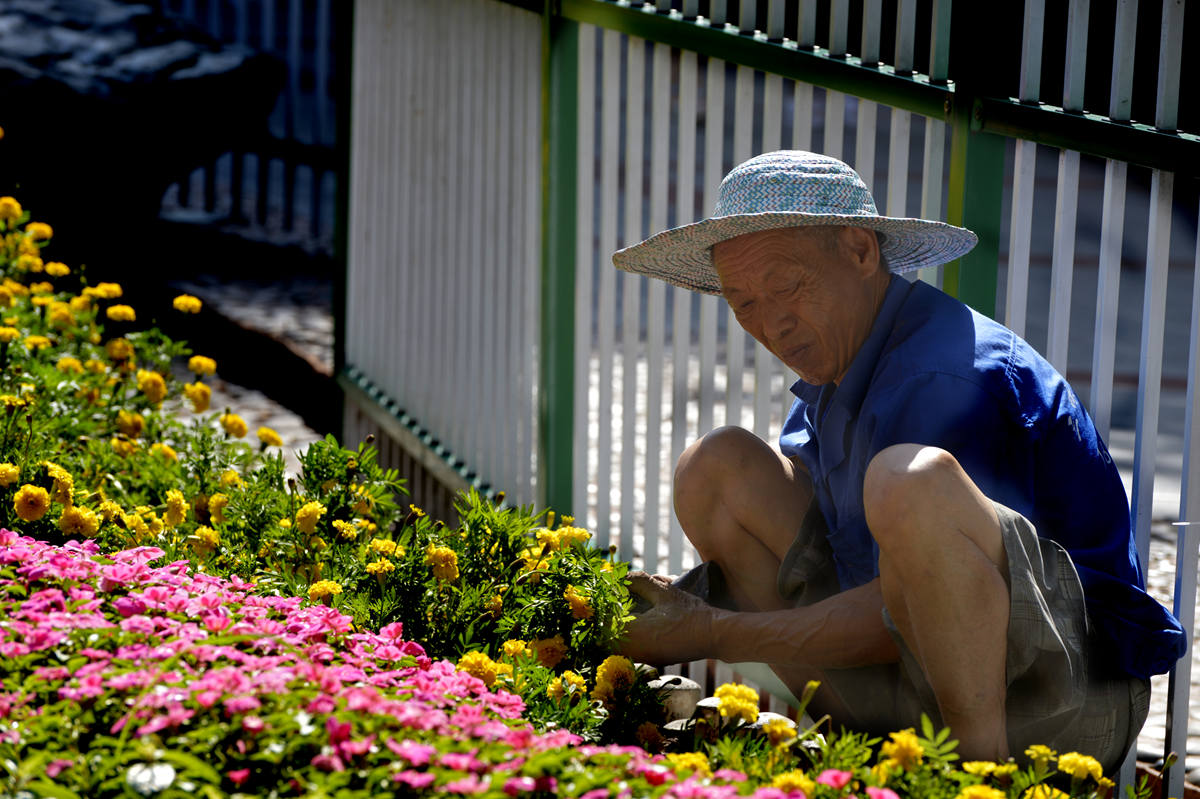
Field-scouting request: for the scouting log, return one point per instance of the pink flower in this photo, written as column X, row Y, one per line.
column 516, row 785
column 392, row 631
column 834, row 778
column 414, row 753
column 56, row 767
column 414, row 779
column 468, row 784
column 881, row 793
column 253, row 724
column 238, row 776
column 328, row 763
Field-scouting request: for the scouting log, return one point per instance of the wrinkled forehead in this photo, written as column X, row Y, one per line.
column 757, row 253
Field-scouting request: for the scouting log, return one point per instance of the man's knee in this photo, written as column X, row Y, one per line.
column 707, row 462
column 903, row 482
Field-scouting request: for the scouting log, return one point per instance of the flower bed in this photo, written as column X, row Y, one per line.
column 180, row 617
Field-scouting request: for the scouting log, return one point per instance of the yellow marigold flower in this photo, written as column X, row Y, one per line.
column 60, row 314
column 37, row 342
column 1080, row 766
column 980, row 768
column 152, row 385
column 1039, row 791
column 904, row 749
column 119, row 349
column 1041, row 755
column 79, row 304
column 69, row 364
column 478, row 664
column 79, row 521
column 95, row 367
column 794, row 781
column 382, row 546
column 199, row 395
column 581, row 608
column 690, row 763
column 63, row 489
column 57, row 269
column 31, row 502
column 121, row 313
column 737, row 701
column 515, row 648
column 176, row 507
column 1104, row 783
column 6, row 298
column 16, row 289
column 549, row 651
column 39, row 231
column 416, row 511
column 156, row 524
column 269, row 437
column 572, row 536
column 495, row 606
column 8, row 474
column 443, row 562
column 9, row 334
column 230, row 479
column 285, row 523
column 28, row 262
column 780, row 732
column 42, row 301
column 164, row 451
column 308, row 515
column 380, row 567
column 235, row 426
column 107, row 291
column 216, row 507
column 10, row 209
column 323, row 589
column 123, row 446
column 131, row 424
column 109, row 510
column 547, row 540
column 41, row 287
column 346, row 531
column 186, row 303
column 137, row 525
column 569, row 683
column 202, row 365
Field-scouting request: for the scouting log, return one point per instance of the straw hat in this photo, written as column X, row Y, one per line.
column 789, row 188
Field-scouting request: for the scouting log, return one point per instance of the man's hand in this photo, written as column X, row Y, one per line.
column 676, row 629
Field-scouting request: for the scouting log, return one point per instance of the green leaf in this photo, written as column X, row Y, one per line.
column 47, row 788
column 191, row 764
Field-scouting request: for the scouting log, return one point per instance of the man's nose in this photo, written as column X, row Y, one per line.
column 777, row 319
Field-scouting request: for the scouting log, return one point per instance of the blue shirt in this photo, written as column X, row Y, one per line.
column 934, row 372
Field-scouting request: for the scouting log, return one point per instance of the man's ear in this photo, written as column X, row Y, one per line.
column 862, row 247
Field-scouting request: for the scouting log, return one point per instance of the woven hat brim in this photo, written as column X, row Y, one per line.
column 682, row 256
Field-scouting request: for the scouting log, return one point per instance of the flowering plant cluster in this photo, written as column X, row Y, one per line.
column 179, row 616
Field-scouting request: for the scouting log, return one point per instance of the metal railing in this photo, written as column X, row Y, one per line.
column 643, row 107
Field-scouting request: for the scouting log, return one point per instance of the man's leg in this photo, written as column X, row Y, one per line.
column 942, row 571
column 741, row 503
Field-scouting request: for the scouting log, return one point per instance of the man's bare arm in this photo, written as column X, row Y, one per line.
column 842, row 631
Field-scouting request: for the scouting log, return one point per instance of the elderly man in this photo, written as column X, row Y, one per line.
column 940, row 530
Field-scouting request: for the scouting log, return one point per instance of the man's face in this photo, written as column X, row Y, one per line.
column 809, row 296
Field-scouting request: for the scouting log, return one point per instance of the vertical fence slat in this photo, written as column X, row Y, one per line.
column 504, row 414
column 681, row 334
column 606, row 307
column 872, row 20
column 631, row 284
column 864, row 145
column 839, row 24
column 1186, row 554
column 735, row 336
column 584, row 266
column 802, row 116
column 1150, row 371
column 714, row 143
column 1063, row 259
column 932, row 166
column 906, row 35
column 806, row 24
column 1108, row 286
column 1020, row 235
column 655, row 533
column 835, row 120
column 766, row 366
column 1031, row 50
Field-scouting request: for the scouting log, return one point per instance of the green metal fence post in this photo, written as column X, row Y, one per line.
column 976, row 170
column 556, row 395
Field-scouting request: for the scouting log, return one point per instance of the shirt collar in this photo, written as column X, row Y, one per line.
column 853, row 387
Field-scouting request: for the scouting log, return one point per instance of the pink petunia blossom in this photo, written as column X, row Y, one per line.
column 834, row 778
column 415, row 753
column 238, row 776
column 881, row 793
column 414, row 779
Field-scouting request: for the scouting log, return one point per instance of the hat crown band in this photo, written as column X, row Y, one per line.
column 787, row 184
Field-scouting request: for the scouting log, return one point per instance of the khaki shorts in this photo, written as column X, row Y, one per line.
column 1055, row 696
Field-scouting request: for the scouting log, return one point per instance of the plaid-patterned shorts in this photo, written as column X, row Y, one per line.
column 1056, row 696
